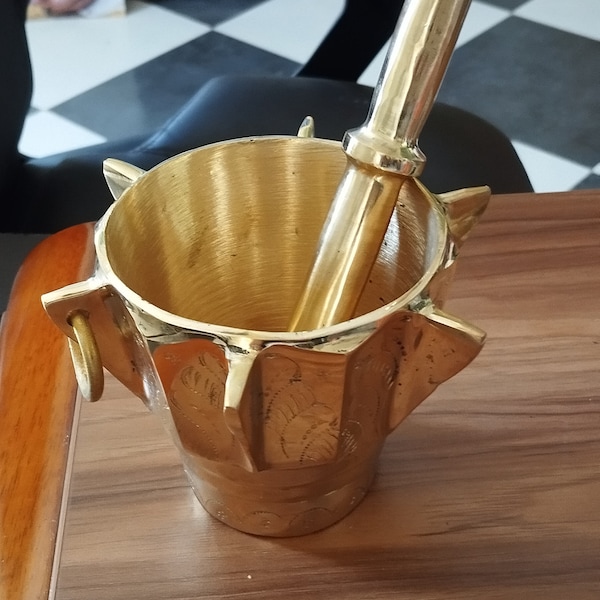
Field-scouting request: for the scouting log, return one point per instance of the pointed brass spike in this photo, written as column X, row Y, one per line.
column 240, row 365
column 307, row 127
column 471, row 334
column 120, row 175
column 441, row 346
column 464, row 208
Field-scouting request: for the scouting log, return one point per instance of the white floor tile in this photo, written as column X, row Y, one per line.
column 289, row 28
column 371, row 74
column 548, row 172
column 479, row 19
column 581, row 17
column 47, row 133
column 71, row 54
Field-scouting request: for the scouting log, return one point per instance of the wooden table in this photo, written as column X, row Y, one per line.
column 490, row 489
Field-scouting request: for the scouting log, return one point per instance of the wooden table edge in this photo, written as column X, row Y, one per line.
column 38, row 417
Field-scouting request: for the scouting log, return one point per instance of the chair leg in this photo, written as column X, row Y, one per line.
column 15, row 97
column 357, row 36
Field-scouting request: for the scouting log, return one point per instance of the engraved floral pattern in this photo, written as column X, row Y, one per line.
column 195, row 390
column 299, row 427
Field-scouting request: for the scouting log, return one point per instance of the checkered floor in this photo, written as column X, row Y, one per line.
column 531, row 67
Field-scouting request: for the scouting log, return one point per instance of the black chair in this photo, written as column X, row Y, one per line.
column 462, row 150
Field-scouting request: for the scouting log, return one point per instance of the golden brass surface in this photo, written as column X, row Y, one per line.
column 414, row 67
column 86, row 357
column 200, row 264
column 350, row 240
column 381, row 155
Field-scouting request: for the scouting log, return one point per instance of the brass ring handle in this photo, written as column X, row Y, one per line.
column 86, row 357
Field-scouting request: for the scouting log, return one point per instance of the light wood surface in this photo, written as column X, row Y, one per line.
column 490, row 489
column 37, row 410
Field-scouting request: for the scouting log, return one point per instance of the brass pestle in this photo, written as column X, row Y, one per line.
column 382, row 156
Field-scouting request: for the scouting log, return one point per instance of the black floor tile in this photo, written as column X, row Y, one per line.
column 143, row 98
column 211, row 12
column 531, row 81
column 509, row 4
column 591, row 182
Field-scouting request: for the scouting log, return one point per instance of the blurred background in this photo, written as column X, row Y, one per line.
column 530, row 67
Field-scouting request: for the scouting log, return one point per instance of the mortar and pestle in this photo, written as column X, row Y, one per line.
column 280, row 335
